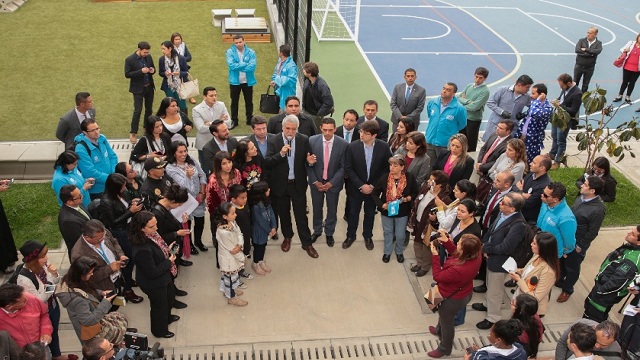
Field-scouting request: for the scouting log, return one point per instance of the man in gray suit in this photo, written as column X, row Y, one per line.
column 326, row 177
column 69, row 124
column 408, row 100
column 204, row 114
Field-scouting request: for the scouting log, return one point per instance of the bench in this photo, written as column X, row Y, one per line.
column 219, row 15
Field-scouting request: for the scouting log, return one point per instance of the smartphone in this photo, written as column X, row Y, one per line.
column 469, row 350
column 124, row 262
column 174, row 249
column 113, row 292
column 11, row 181
column 49, row 289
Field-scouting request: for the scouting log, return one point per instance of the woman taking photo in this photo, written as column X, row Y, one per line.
column 154, row 270
column 87, row 306
column 393, row 187
column 455, row 283
column 66, row 172
column 399, row 138
column 34, row 277
column 513, row 159
column 134, row 183
column 544, row 266
column 630, row 69
column 188, row 174
column 455, row 162
column 423, row 221
column 174, row 71
column 154, row 142
column 247, row 161
column 175, row 123
column 464, row 189
column 169, row 228
column 115, row 213
column 524, row 307
column 602, row 169
column 416, row 160
column 503, row 336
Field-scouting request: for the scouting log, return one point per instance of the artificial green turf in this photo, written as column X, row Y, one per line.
column 53, row 49
column 619, row 213
column 32, row 211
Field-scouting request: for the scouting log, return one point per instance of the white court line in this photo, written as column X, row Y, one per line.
column 423, row 18
column 546, row 26
column 589, row 13
column 638, row 17
column 466, row 53
column 601, row 27
column 432, row 6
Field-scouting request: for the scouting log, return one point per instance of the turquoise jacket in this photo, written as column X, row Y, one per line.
column 443, row 125
column 73, row 177
column 285, row 81
column 247, row 65
column 98, row 164
column 561, row 222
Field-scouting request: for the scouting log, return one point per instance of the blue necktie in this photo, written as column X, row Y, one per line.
column 348, row 136
column 406, row 95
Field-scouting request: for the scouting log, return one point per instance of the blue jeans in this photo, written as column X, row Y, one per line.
column 394, row 227
column 559, row 145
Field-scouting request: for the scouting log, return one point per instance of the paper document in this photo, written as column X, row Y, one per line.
column 510, row 265
column 187, row 207
column 630, row 310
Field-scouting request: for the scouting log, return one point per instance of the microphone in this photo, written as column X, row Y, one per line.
column 154, row 350
column 289, row 139
column 533, row 283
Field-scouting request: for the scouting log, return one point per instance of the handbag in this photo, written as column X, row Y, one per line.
column 434, row 299
column 138, row 166
column 189, row 89
column 393, row 207
column 620, row 60
column 269, row 103
column 483, row 188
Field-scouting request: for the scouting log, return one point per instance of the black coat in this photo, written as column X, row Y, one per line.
column 168, row 225
column 70, row 223
column 133, row 71
column 500, row 242
column 153, row 269
column 458, row 173
column 279, row 165
column 306, row 127
column 356, row 166
column 113, row 213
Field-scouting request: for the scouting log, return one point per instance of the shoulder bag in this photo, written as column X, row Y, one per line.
column 269, row 103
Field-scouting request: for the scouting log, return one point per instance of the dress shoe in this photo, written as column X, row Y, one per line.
column 194, row 251
column 484, row 325
column 330, row 241
column 183, row 262
column 368, row 243
column 192, row 100
column 433, row 331
column 179, row 292
column 131, row 297
column 618, row 98
column 168, row 335
column 234, row 125
column 314, row 237
column 264, row 266
column 202, row 247
column 511, row 283
column 563, row 297
column 415, row 268
column 481, row 289
column 478, row 307
column 386, row 258
column 173, row 318
column 132, row 138
column 310, row 251
column 177, row 304
column 421, row 273
column 134, row 283
column 638, row 110
column 286, row 245
column 436, row 354
column 400, row 258
column 347, row 243
column 628, row 100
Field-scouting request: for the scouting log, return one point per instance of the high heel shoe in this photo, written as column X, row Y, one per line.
column 194, row 251
column 627, row 100
column 618, row 98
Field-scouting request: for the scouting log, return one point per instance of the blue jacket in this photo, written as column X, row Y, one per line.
column 483, row 354
column 247, row 65
column 286, row 81
column 98, row 164
column 443, row 125
column 561, row 222
column 73, row 177
column 264, row 219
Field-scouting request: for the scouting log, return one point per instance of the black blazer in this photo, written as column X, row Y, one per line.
column 70, row 223
column 501, row 148
column 482, row 208
column 535, row 188
column 143, row 146
column 211, row 148
column 379, row 195
column 355, row 135
column 383, row 134
column 356, row 166
column 153, row 270
column 458, row 173
column 473, row 229
column 113, row 213
column 306, row 127
column 133, row 71
column 168, row 225
column 572, row 101
column 279, row 165
column 504, row 240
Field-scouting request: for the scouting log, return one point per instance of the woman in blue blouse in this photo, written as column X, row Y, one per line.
column 66, row 173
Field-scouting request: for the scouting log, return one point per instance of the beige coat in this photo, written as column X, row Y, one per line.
column 546, row 278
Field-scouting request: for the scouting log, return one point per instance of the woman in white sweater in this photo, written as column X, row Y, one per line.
column 513, row 159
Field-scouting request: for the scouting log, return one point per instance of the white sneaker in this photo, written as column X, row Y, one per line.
column 242, row 285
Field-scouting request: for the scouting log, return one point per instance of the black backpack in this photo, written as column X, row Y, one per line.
column 21, row 270
column 523, row 253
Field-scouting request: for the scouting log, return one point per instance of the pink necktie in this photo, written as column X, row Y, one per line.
column 486, row 155
column 325, row 171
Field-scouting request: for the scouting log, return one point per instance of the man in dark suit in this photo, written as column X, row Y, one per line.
column 292, row 107
column 408, row 100
column 139, row 68
column 221, row 141
column 570, row 100
column 69, row 124
column 260, row 136
column 350, row 132
column 370, row 114
column 365, row 161
column 495, row 146
column 532, row 187
column 326, row 177
column 504, row 235
column 72, row 216
column 286, row 158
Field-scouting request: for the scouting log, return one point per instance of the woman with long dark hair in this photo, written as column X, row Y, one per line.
column 455, row 283
column 176, row 124
column 524, row 307
column 174, row 71
column 630, row 69
column 464, row 189
column 415, row 155
column 134, row 182
column 399, row 138
column 455, row 162
column 66, row 172
column 155, row 141
column 247, row 161
column 544, row 266
column 181, row 48
column 503, row 337
column 602, row 169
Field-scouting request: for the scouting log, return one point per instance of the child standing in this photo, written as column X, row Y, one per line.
column 264, row 225
column 238, row 195
column 230, row 254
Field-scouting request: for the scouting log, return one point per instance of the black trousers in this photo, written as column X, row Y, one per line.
column 282, row 207
column 160, row 299
column 629, row 79
column 356, row 200
column 471, row 132
column 580, row 71
column 247, row 93
column 258, row 252
column 147, row 97
column 570, row 270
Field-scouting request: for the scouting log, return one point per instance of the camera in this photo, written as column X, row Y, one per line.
column 137, row 348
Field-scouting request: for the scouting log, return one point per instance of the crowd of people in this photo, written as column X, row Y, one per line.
column 133, row 223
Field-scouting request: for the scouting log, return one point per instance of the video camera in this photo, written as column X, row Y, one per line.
column 137, row 348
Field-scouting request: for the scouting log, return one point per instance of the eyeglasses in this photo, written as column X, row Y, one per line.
column 108, row 351
column 504, row 203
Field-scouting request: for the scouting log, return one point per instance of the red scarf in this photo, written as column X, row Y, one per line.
column 157, row 239
column 394, row 192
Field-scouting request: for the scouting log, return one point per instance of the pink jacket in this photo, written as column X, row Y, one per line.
column 29, row 323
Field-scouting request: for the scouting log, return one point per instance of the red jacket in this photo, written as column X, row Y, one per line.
column 29, row 323
column 453, row 276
